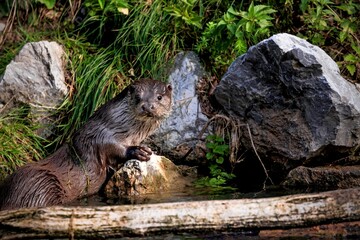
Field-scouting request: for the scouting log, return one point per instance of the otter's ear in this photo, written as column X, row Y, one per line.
column 169, row 87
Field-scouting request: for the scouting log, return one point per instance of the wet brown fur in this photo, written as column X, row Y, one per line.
column 79, row 168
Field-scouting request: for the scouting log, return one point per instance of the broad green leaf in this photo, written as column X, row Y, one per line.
column 350, row 58
column 263, row 10
column 262, row 32
column 239, row 34
column 345, row 24
column 210, row 145
column 218, row 139
column 304, row 5
column 244, row 15
column 342, row 36
column 210, row 137
column 233, row 11
column 220, row 160
column 251, row 10
column 264, row 17
column 350, row 9
column 329, row 12
column 318, row 10
column 232, row 28
column 214, row 170
column 356, row 48
column 209, row 156
column 249, row 26
column 222, row 22
column 323, row 23
column 196, row 21
column 264, row 24
column 229, row 18
column 220, row 149
column 217, row 181
column 50, row 4
column 351, row 68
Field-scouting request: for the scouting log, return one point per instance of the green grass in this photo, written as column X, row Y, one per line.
column 144, row 40
column 147, row 39
column 7, row 55
column 19, row 142
column 98, row 77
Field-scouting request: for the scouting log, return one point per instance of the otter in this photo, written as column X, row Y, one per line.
column 80, row 167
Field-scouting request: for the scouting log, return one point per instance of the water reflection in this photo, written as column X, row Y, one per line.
column 190, row 193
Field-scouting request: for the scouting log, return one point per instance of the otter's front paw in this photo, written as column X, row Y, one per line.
column 141, row 153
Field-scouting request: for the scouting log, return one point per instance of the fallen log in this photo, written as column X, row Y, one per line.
column 290, row 211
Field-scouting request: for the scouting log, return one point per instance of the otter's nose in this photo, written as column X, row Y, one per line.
column 147, row 107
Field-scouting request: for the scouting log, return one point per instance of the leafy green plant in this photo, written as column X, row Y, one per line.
column 218, row 152
column 250, row 26
column 328, row 24
column 183, row 11
column 352, row 59
column 316, row 17
column 231, row 36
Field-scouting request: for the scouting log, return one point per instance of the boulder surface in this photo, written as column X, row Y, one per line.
column 36, row 78
column 293, row 98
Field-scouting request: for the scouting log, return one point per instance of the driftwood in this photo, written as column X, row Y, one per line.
column 221, row 215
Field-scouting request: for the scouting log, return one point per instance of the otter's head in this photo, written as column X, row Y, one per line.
column 151, row 99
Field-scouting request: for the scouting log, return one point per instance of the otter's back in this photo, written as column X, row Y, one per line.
column 30, row 186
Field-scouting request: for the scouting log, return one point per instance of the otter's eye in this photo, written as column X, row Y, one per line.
column 159, row 97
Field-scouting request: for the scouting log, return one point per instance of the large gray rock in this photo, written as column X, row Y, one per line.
column 291, row 94
column 35, row 77
column 178, row 134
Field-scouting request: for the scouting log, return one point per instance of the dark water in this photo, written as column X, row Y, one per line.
column 191, row 193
